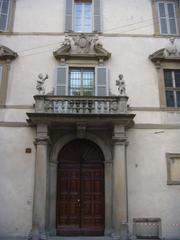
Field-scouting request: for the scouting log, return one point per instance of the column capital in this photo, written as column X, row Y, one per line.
column 42, row 141
column 119, row 135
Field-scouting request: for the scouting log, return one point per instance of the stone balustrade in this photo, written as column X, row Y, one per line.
column 80, row 105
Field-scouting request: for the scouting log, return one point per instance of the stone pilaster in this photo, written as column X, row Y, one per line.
column 119, row 184
column 40, row 185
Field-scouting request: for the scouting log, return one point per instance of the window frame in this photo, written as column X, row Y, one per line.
column 156, row 17
column 161, row 83
column 169, row 158
column 81, row 88
column 167, row 17
column 83, row 18
column 173, row 89
column 4, row 82
column 96, row 16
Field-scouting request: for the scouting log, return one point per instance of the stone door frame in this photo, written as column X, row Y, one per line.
column 52, row 190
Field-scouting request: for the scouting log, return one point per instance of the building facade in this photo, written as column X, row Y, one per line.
column 90, row 118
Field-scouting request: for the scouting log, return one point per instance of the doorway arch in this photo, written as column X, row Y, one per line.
column 80, row 207
column 105, row 147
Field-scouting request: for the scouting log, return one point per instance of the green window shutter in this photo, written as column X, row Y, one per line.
column 62, row 81
column 101, row 81
column 69, row 15
column 97, row 15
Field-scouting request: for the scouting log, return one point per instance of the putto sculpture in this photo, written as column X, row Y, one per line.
column 40, row 83
column 121, row 86
column 171, row 49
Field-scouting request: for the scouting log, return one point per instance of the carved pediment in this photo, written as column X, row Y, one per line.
column 7, row 54
column 169, row 53
column 161, row 56
column 81, row 47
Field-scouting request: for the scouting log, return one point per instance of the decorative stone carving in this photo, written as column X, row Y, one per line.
column 81, row 47
column 171, row 48
column 66, row 42
column 121, row 86
column 83, row 43
column 169, row 53
column 7, row 54
column 40, row 84
column 81, row 130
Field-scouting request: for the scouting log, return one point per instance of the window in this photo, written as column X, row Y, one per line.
column 83, row 16
column 6, row 14
column 172, row 87
column 81, row 81
column 6, row 56
column 167, row 17
column 173, row 168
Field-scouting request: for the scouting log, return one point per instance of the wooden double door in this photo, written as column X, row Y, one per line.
column 80, row 191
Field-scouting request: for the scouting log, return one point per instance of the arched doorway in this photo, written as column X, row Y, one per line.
column 80, row 207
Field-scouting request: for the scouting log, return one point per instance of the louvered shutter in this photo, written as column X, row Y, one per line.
column 68, row 15
column 97, row 15
column 62, row 81
column 4, row 14
column 101, row 81
column 162, row 18
column 11, row 15
column 172, row 18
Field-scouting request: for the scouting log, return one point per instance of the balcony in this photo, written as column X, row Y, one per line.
column 69, row 110
column 80, row 105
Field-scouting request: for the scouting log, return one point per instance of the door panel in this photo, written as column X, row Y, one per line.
column 92, row 199
column 68, row 196
column 80, row 190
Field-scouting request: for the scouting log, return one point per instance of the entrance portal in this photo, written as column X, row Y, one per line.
column 80, row 190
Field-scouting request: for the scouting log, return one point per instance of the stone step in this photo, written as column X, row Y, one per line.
column 80, row 238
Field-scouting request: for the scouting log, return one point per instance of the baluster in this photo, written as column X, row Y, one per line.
column 90, row 106
column 84, row 106
column 71, row 105
column 63, row 107
column 105, row 106
column 77, row 103
column 55, row 106
column 114, row 106
column 99, row 106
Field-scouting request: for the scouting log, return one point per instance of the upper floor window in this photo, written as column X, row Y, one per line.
column 81, row 81
column 167, row 17
column 83, row 16
column 6, row 14
column 172, row 87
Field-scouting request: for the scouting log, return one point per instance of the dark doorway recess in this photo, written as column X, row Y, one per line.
column 80, row 190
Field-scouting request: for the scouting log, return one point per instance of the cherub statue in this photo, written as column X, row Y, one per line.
column 67, row 41
column 96, row 41
column 121, row 85
column 40, row 83
column 171, row 48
